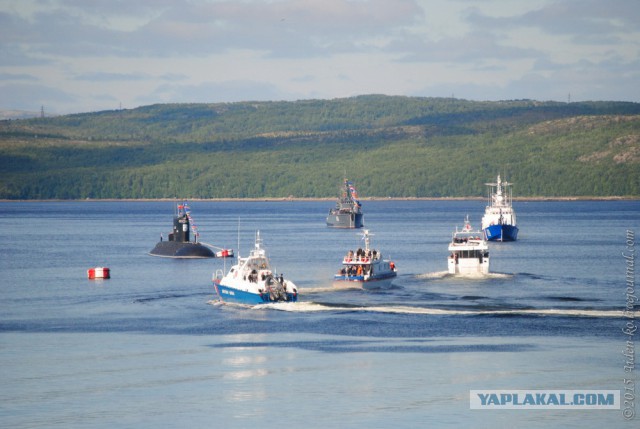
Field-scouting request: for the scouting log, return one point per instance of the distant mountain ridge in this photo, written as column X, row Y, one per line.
column 17, row 114
column 390, row 146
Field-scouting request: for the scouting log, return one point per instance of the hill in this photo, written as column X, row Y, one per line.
column 390, row 147
column 17, row 114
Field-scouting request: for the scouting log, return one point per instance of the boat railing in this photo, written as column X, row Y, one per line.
column 473, row 241
column 357, row 260
column 361, row 259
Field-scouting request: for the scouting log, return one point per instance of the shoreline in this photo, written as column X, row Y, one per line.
column 319, row 199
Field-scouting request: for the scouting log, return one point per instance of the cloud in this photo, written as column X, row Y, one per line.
column 468, row 48
column 83, row 55
column 288, row 28
column 120, row 8
column 101, row 76
column 174, row 77
column 32, row 96
column 583, row 80
column 576, row 18
column 211, row 92
column 12, row 55
column 111, row 77
column 17, row 77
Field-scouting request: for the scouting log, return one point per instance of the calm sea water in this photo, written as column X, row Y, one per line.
column 151, row 348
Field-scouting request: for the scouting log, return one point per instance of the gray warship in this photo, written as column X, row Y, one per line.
column 348, row 211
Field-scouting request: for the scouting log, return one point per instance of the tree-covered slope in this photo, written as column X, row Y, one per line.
column 390, row 146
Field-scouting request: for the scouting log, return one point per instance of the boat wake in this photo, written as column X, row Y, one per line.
column 313, row 307
column 167, row 296
column 446, row 274
column 322, row 289
column 433, row 275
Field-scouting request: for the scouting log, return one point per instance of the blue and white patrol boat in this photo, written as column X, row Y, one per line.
column 365, row 268
column 499, row 220
column 468, row 252
column 252, row 281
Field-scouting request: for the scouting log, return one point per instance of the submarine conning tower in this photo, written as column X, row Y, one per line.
column 181, row 228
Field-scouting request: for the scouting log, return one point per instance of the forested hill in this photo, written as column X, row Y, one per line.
column 389, row 146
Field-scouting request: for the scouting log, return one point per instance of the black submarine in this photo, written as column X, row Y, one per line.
column 178, row 244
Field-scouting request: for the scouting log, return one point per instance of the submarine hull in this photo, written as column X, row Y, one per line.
column 185, row 250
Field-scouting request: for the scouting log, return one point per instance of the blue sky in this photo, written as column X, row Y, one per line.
column 78, row 55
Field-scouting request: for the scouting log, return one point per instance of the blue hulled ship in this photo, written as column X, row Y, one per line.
column 499, row 220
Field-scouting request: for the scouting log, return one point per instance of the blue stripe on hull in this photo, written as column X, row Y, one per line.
column 228, row 294
column 501, row 233
column 359, row 281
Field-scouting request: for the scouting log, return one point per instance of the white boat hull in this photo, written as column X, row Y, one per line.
column 468, row 266
column 359, row 282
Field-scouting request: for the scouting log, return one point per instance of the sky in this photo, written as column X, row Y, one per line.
column 70, row 56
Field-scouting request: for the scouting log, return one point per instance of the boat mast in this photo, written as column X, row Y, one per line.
column 258, row 240
column 366, row 236
column 238, row 238
column 490, row 193
column 498, row 197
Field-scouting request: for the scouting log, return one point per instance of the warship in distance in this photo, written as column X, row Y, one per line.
column 179, row 244
column 348, row 211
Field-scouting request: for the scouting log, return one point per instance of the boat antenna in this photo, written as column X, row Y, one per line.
column 238, row 238
column 365, row 237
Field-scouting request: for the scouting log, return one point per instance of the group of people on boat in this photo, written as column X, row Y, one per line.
column 253, row 277
column 356, row 270
column 362, row 255
column 462, row 240
column 360, row 263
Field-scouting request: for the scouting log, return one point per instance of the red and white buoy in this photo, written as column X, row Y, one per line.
column 98, row 273
column 225, row 253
